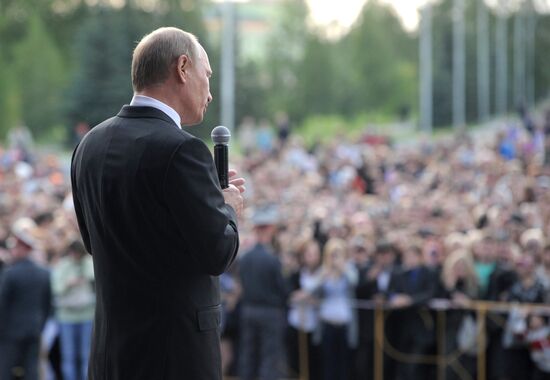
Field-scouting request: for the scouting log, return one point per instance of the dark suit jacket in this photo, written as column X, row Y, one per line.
column 420, row 284
column 262, row 278
column 413, row 333
column 151, row 212
column 25, row 300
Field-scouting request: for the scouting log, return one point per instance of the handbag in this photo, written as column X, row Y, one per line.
column 515, row 329
column 467, row 336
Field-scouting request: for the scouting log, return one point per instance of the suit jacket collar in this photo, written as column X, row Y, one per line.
column 145, row 112
column 22, row 261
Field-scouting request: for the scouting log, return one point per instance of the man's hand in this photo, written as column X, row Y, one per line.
column 400, row 300
column 237, row 182
column 232, row 194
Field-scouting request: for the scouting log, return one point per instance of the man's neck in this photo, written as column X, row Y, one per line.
column 161, row 95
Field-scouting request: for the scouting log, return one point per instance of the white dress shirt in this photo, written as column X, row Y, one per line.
column 146, row 101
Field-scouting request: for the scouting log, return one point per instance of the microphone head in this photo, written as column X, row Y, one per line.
column 220, row 135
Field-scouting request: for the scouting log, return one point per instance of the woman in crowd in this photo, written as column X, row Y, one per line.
column 527, row 289
column 303, row 313
column 338, row 326
column 73, row 287
column 459, row 285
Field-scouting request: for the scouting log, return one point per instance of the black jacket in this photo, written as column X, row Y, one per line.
column 25, row 300
column 262, row 279
column 151, row 212
column 419, row 283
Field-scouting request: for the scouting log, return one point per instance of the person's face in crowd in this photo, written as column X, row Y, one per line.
column 289, row 262
column 4, row 234
column 17, row 248
column 534, row 248
column 504, row 253
column 460, row 269
column 197, row 73
column 546, row 257
column 484, row 251
column 536, row 322
column 385, row 258
column 312, row 256
column 265, row 233
column 336, row 260
column 360, row 255
column 76, row 256
column 412, row 258
column 433, row 253
column 525, row 265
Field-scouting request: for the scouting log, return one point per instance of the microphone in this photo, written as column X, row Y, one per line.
column 220, row 137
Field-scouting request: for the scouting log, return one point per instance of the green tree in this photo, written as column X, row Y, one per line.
column 286, row 50
column 40, row 74
column 316, row 79
column 381, row 58
column 372, row 68
column 10, row 110
column 542, row 57
column 103, row 55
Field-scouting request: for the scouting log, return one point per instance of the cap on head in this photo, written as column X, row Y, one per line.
column 267, row 215
column 23, row 230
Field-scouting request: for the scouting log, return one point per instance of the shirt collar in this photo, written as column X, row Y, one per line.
column 147, row 101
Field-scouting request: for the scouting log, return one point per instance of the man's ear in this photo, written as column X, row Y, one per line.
column 182, row 67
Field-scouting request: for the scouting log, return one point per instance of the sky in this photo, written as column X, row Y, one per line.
column 345, row 12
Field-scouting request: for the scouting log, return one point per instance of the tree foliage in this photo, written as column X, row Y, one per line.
column 40, row 78
column 373, row 67
column 66, row 61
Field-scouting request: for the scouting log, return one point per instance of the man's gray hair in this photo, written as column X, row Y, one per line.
column 156, row 52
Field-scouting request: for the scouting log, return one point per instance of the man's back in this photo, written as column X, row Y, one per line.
column 262, row 279
column 25, row 300
column 150, row 212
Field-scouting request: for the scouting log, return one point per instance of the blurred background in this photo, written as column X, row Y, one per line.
column 349, row 63
column 397, row 152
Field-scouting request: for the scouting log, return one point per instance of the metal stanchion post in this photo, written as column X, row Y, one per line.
column 304, row 360
column 379, row 343
column 441, row 344
column 303, row 349
column 481, row 344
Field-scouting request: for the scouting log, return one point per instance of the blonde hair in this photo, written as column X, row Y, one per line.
column 333, row 246
column 156, row 52
column 463, row 256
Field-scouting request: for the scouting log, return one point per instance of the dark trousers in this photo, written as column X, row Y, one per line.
column 540, row 375
column 22, row 353
column 262, row 343
column 336, row 352
column 314, row 355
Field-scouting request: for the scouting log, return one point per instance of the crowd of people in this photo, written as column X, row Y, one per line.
column 47, row 294
column 411, row 228
column 331, row 231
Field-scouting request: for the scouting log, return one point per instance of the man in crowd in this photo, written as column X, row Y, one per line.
column 410, row 288
column 263, row 303
column 25, row 302
column 73, row 286
column 374, row 282
column 159, row 227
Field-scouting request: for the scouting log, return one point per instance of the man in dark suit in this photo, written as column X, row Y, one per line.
column 153, row 216
column 25, row 303
column 263, row 303
column 410, row 289
column 374, row 282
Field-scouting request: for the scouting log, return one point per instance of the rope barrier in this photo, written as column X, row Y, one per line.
column 483, row 310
